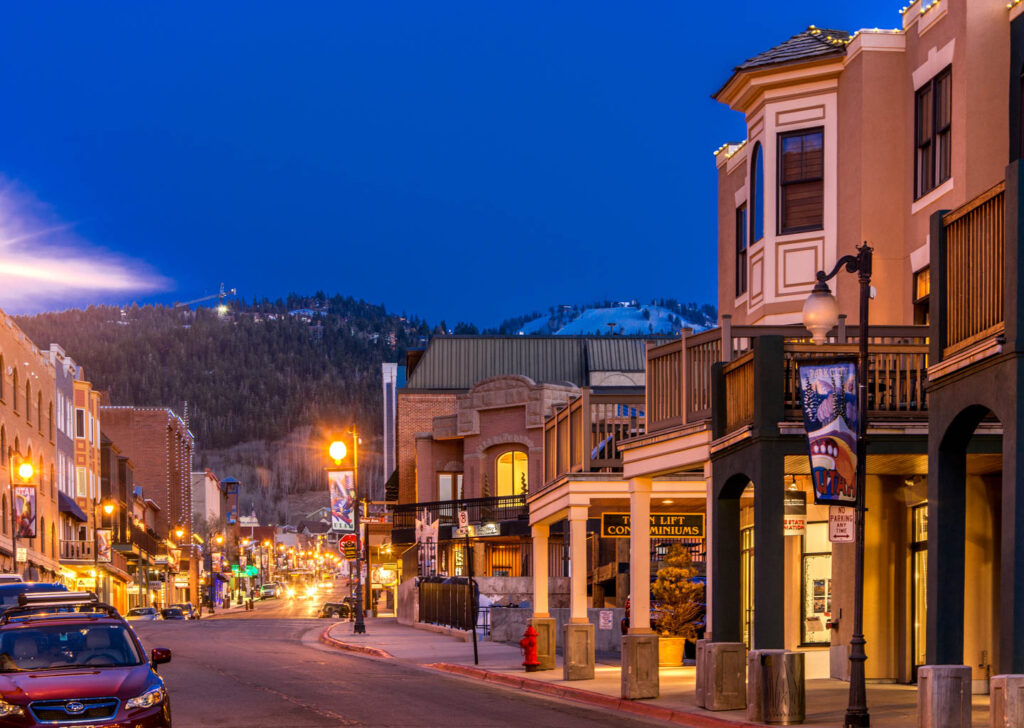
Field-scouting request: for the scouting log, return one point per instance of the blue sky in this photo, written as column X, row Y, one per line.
column 464, row 161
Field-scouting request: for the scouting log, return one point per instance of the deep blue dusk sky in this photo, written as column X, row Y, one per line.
column 465, row 161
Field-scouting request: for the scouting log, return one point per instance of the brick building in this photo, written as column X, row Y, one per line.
column 160, row 447
column 27, row 433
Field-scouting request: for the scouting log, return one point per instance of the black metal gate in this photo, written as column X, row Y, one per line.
column 448, row 601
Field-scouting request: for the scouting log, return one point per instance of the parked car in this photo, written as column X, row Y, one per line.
column 336, row 610
column 172, row 613
column 11, row 579
column 83, row 649
column 142, row 614
column 186, row 607
column 9, row 593
column 269, row 590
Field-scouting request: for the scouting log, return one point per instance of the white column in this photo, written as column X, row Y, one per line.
column 639, row 555
column 540, row 570
column 578, row 559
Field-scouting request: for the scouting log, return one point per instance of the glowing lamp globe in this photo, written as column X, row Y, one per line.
column 821, row 313
column 179, row 532
column 26, row 471
column 338, row 451
column 108, row 508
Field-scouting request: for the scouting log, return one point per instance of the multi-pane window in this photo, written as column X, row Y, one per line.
column 801, row 181
column 932, row 120
column 922, row 292
column 449, row 486
column 741, row 250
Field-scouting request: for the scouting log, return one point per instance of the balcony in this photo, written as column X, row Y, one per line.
column 970, row 273
column 583, row 436
column 76, row 550
column 446, row 513
column 139, row 543
column 897, row 373
column 897, row 377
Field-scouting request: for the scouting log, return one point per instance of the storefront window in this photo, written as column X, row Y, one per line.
column 816, row 574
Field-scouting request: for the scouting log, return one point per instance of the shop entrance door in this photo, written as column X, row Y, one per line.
column 918, row 587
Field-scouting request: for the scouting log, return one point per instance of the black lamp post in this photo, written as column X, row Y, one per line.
column 820, row 315
column 338, row 452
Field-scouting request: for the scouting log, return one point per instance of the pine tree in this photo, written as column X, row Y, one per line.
column 681, row 597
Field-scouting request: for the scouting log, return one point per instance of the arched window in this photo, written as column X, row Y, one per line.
column 3, row 447
column 42, row 536
column 15, row 390
column 39, row 412
column 512, row 473
column 28, row 402
column 53, row 541
column 756, row 194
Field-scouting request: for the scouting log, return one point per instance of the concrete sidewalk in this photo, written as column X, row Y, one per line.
column 892, row 706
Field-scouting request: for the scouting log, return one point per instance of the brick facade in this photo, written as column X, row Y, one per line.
column 416, row 413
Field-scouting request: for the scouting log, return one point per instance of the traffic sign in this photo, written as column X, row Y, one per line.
column 463, row 519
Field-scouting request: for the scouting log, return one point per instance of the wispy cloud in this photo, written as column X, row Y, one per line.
column 44, row 262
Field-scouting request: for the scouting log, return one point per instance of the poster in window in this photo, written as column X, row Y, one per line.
column 829, row 397
column 343, row 500
column 25, row 511
column 819, row 587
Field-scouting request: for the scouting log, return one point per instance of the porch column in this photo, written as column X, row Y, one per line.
column 640, row 677
column 542, row 621
column 947, row 499
column 640, row 556
column 578, row 633
column 540, row 570
column 769, row 553
column 1011, row 579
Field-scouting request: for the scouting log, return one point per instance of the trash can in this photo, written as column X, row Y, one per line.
column 782, row 687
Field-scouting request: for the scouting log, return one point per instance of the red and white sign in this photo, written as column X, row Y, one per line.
column 841, row 524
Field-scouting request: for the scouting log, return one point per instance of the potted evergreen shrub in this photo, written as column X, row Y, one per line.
column 680, row 605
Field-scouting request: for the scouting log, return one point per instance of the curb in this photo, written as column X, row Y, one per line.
column 326, row 638
column 678, row 717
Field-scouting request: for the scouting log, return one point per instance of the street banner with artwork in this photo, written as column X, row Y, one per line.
column 829, row 394
column 103, row 545
column 343, row 500
column 25, row 511
column 426, row 539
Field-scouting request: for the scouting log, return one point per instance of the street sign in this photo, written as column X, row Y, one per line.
column 22, row 555
column 841, row 523
column 349, row 549
column 463, row 519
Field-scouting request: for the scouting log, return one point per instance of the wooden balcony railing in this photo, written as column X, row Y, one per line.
column 739, row 392
column 975, row 244
column 76, row 550
column 583, row 436
column 899, row 355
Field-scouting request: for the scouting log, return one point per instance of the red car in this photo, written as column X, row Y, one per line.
column 68, row 660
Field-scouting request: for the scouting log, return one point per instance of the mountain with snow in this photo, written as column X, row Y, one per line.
column 621, row 318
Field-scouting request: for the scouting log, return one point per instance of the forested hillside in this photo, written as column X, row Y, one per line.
column 269, row 371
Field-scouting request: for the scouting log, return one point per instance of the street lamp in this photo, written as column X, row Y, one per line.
column 25, row 473
column 97, row 524
column 338, row 450
column 821, row 314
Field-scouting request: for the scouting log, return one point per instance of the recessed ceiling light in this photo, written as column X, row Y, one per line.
column 668, row 501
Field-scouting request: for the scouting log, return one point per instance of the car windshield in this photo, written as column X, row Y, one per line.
column 60, row 646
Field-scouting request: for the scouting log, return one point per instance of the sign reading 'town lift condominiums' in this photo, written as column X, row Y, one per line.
column 663, row 525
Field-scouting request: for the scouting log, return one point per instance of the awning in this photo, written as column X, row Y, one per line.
column 68, row 506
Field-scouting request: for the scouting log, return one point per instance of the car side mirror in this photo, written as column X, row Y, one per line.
column 160, row 655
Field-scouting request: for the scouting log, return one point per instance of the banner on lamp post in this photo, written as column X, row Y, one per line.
column 103, row 546
column 343, row 500
column 828, row 392
column 25, row 511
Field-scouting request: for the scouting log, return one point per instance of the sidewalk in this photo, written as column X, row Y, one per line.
column 892, row 706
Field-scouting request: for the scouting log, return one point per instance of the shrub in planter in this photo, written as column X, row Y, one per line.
column 680, row 600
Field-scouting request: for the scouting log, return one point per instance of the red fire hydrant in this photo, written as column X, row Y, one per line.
column 528, row 644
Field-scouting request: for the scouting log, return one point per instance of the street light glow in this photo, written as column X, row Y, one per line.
column 108, row 508
column 26, row 471
column 338, row 451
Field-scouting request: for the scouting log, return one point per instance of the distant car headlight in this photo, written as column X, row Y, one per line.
column 147, row 700
column 9, row 709
column 311, row 591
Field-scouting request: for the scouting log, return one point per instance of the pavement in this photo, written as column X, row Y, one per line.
column 891, row 706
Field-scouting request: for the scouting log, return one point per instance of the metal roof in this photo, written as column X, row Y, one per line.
column 459, row 362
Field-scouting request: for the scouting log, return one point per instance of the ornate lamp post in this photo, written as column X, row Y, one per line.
column 26, row 474
column 97, row 523
column 820, row 315
column 338, row 451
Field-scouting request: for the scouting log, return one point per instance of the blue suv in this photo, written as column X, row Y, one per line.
column 9, row 593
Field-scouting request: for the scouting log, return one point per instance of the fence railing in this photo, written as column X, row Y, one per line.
column 899, row 358
column 584, row 436
column 499, row 559
column 975, row 244
column 480, row 510
column 448, row 601
column 739, row 392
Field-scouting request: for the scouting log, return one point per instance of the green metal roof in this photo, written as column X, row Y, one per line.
column 459, row 362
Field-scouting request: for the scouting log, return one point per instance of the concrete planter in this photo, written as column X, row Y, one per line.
column 670, row 651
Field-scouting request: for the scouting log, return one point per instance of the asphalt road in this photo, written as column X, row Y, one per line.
column 262, row 668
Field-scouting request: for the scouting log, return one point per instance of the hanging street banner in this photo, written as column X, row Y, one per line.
column 829, row 394
column 25, row 511
column 426, row 540
column 663, row 525
column 343, row 500
column 794, row 503
column 103, row 545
